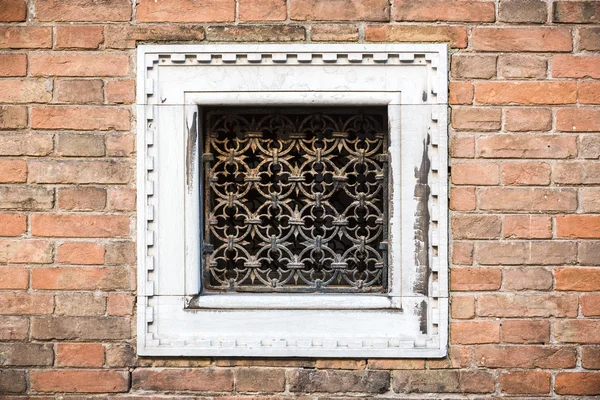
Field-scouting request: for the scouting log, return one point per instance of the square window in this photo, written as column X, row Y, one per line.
column 292, row 200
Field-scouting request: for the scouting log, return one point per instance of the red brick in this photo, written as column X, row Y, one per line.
column 86, row 253
column 567, row 66
column 589, row 39
column 455, row 35
column 475, row 173
column 578, row 12
column 183, row 379
column 527, row 227
column 13, row 328
column 589, row 92
column 261, row 379
column 23, row 303
column 334, row 33
column 79, row 37
column 12, row 224
column 120, row 92
column 440, row 10
column 81, row 198
column 13, row 10
column 552, row 357
column 120, row 304
column 126, row 36
column 527, row 119
column 185, row 11
column 578, row 120
column 256, row 33
column 13, row 117
column 471, row 279
column 526, row 173
column 521, row 11
column 79, row 91
column 81, row 118
column 528, row 253
column 476, row 227
column 13, row 277
column 462, row 146
column 25, row 37
column 262, row 10
column 578, row 226
column 380, row 363
column 577, row 383
column 71, row 278
column 522, row 66
column 79, row 381
column 525, row 331
column 590, row 304
column 590, row 357
column 527, row 305
column 527, row 278
column 122, row 199
column 346, row 10
column 525, row 382
column 25, row 144
column 527, row 146
column 79, row 355
column 526, row 92
column 461, row 93
column 474, row 332
column 476, row 119
column 527, row 199
column 79, row 225
column 577, row 173
column 25, row 91
column 580, row 279
column 522, row 39
column 462, row 307
column 462, row 199
column 462, row 253
column 80, row 328
column 79, row 64
column 13, row 171
column 13, row 64
column 25, row 251
column 82, row 10
column 80, row 304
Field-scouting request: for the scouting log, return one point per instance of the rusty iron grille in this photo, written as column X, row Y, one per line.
column 295, row 199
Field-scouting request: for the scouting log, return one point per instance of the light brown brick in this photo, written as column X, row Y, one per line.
column 79, row 64
column 522, row 66
column 122, row 199
column 79, row 37
column 347, row 10
column 13, row 171
column 25, row 91
column 79, row 91
column 13, row 10
column 455, row 35
column 268, row 380
column 81, row 198
column 25, row 37
column 102, row 172
column 527, row 119
column 525, row 331
column 210, row 379
column 527, row 278
column 256, row 33
column 25, row 144
column 476, row 119
column 527, row 146
column 527, row 227
column 82, row 10
column 469, row 67
column 262, row 10
column 526, row 173
column 120, row 304
column 79, row 225
column 80, row 304
column 13, row 117
column 13, row 64
column 475, row 173
column 525, row 382
column 578, row 120
column 590, row 199
column 440, row 10
column 476, row 227
column 577, row 330
column 544, row 39
column 120, row 145
column 120, row 92
column 20, row 197
column 13, row 328
column 474, row 332
column 473, row 279
column 23, row 303
column 568, row 66
column 552, row 357
column 25, row 251
column 334, row 33
column 81, row 328
column 523, row 11
column 12, row 224
column 80, row 145
column 576, row 173
column 462, row 307
column 462, row 199
column 528, row 253
column 527, row 305
column 185, row 11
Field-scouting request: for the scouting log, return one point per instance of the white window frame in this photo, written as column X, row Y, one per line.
column 175, row 317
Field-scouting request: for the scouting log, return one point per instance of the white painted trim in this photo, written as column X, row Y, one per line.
column 173, row 80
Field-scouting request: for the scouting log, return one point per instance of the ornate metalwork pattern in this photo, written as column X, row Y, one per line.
column 295, row 199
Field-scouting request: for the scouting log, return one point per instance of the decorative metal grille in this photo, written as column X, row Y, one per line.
column 295, row 199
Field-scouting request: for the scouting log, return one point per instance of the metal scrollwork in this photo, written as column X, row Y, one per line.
column 295, row 200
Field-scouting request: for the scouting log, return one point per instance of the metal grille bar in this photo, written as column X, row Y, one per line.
column 295, row 199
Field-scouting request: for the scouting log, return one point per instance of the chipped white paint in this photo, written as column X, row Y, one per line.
column 174, row 317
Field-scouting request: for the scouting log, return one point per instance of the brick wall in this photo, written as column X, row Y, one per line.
column 525, row 143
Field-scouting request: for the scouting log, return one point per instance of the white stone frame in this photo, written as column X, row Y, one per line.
column 175, row 317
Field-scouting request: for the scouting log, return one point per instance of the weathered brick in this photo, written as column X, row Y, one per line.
column 340, row 363
column 259, row 380
column 79, row 354
column 26, row 198
column 185, row 11
column 588, row 92
column 461, row 93
column 589, row 39
column 471, row 279
column 120, row 92
column 590, row 356
column 347, row 10
column 578, row 12
column 13, row 117
column 476, row 227
column 554, row 357
column 334, row 33
column 261, row 10
column 80, row 145
column 581, row 279
column 79, row 37
column 12, row 381
column 13, row 328
column 577, row 383
column 122, row 199
column 544, row 39
column 526, row 173
column 81, row 198
column 79, row 225
column 71, row 278
column 458, row 357
column 527, row 146
column 590, row 304
column 333, row 381
column 474, row 332
column 462, row 199
column 578, row 226
column 589, row 253
column 102, row 172
column 80, row 253
column 23, row 303
column 120, row 253
column 126, row 36
column 527, row 305
column 257, row 33
column 207, row 379
column 462, row 146
column 475, row 173
column 526, row 92
column 462, row 307
column 527, row 227
column 79, row 381
column 81, row 118
column 476, row 119
column 13, row 10
column 469, row 67
column 120, row 304
column 527, row 119
column 80, row 304
column 26, row 354
column 568, row 66
column 441, row 381
column 525, row 331
column 527, row 278
column 13, row 171
column 79, row 91
column 25, row 37
column 120, row 145
column 576, row 173
column 120, row 355
column 462, row 253
column 578, row 120
column 13, row 277
column 528, row 253
column 79, row 64
column 13, row 64
column 381, row 363
column 525, row 382
column 521, row 66
column 455, row 35
column 25, row 144
column 527, row 199
column 440, row 10
column 84, row 328
column 521, row 11
column 12, row 224
column 20, row 251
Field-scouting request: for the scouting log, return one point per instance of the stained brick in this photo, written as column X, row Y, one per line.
column 84, row 328
column 522, row 66
column 13, row 117
column 183, row 379
column 26, row 354
column 589, row 253
column 525, row 331
column 476, row 227
column 528, row 253
column 578, row 120
column 12, row 381
column 333, row 381
column 120, row 304
column 574, row 173
column 101, row 172
column 25, row 37
column 579, row 12
column 455, row 35
column 567, row 66
column 577, row 383
column 522, row 11
column 589, row 39
column 13, row 328
column 440, row 10
column 79, row 37
column 527, row 305
column 525, row 382
column 259, row 380
column 185, row 11
column 552, row 357
column 126, row 36
column 474, row 332
column 527, row 278
column 262, row 10
column 120, row 92
column 81, row 198
column 258, row 33
column 527, row 146
column 441, row 381
column 20, row 251
column 80, row 304
column 462, row 253
column 80, row 145
column 522, row 39
column 527, row 227
column 82, row 10
column 526, row 173
column 79, row 225
column 590, row 304
column 346, row 10
column 527, row 119
column 79, row 64
column 23, row 303
column 462, row 307
column 79, row 91
column 71, row 278
column 468, row 67
column 79, row 381
column 476, row 119
column 331, row 33
column 25, row 144
column 590, row 357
